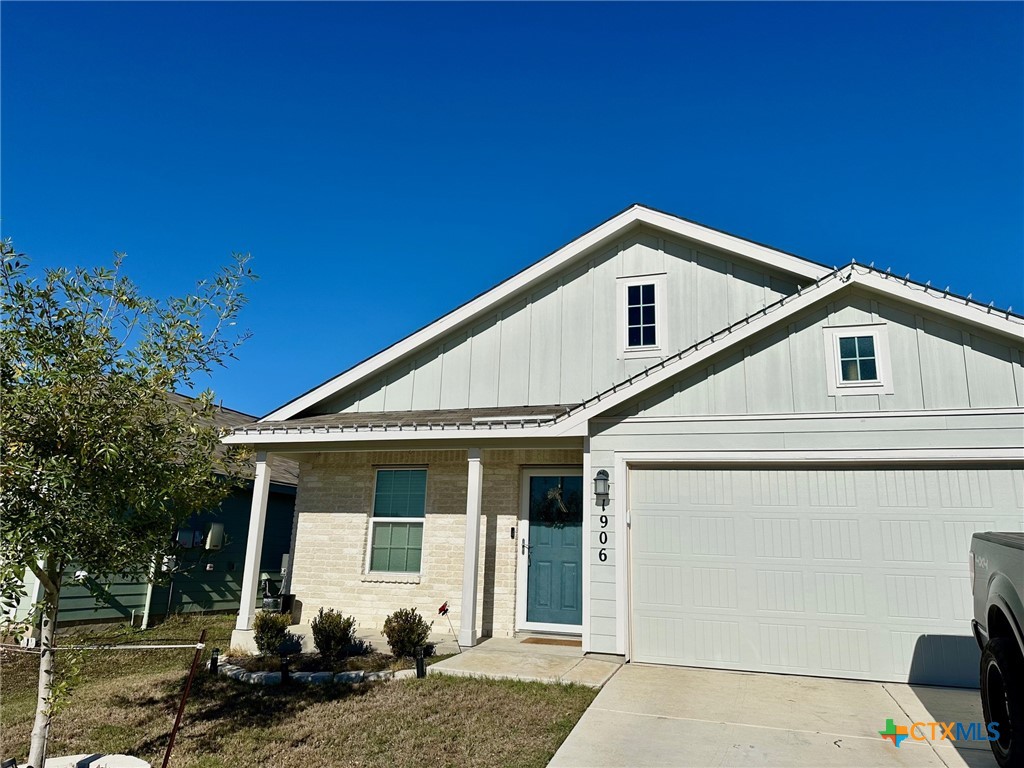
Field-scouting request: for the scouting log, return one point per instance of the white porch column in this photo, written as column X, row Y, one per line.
column 474, row 503
column 254, row 544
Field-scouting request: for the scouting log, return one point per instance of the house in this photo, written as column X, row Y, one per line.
column 201, row 579
column 678, row 445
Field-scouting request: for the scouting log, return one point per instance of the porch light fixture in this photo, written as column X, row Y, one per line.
column 601, row 488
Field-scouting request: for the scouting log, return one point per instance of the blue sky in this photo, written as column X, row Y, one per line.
column 385, row 162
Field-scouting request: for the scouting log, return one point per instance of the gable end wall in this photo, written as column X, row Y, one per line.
column 558, row 344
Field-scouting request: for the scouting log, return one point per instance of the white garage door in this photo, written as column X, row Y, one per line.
column 855, row 573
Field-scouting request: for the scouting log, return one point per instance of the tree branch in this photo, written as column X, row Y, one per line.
column 44, row 578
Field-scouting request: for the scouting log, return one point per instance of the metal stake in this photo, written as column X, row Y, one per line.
column 184, row 696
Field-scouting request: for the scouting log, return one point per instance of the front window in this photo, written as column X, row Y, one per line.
column 857, row 358
column 396, row 527
column 641, row 330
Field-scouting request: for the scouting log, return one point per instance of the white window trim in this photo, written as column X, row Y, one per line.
column 836, row 386
column 409, row 577
column 658, row 280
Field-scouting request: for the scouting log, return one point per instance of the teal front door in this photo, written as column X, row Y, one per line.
column 554, row 552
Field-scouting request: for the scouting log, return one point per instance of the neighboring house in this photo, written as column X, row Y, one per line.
column 207, row 580
column 796, row 458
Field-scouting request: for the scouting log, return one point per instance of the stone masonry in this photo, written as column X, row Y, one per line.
column 335, row 498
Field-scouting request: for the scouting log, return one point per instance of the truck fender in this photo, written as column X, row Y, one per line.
column 1002, row 595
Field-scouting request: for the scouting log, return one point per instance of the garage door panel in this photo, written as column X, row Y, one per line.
column 836, row 572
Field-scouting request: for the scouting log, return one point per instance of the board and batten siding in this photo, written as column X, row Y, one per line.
column 934, row 365
column 559, row 342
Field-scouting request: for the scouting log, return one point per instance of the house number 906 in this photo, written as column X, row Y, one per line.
column 602, row 554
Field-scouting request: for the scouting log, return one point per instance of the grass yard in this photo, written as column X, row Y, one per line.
column 126, row 703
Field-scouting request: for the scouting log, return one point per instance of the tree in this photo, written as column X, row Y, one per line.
column 98, row 468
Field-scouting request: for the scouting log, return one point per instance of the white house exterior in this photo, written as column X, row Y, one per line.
column 797, row 457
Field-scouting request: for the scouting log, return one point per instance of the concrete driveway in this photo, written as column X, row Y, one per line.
column 674, row 716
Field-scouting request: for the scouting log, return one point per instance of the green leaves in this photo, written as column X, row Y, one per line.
column 99, row 464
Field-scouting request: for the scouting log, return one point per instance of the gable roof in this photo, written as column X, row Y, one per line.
column 600, row 236
column 999, row 321
column 569, row 420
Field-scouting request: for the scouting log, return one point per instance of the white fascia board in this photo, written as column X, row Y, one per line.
column 759, row 253
column 397, row 435
column 940, row 303
column 754, row 326
column 595, row 238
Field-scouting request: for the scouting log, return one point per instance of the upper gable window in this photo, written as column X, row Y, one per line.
column 641, row 316
column 858, row 359
column 641, row 324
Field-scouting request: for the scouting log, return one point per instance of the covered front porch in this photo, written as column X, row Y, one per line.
column 466, row 545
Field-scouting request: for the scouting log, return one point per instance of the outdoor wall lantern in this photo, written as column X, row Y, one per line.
column 601, row 488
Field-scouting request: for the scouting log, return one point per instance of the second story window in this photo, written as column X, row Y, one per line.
column 857, row 358
column 641, row 316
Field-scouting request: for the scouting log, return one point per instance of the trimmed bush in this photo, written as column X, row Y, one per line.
column 333, row 634
column 406, row 631
column 270, row 631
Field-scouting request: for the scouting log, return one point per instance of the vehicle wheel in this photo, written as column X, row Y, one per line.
column 1002, row 699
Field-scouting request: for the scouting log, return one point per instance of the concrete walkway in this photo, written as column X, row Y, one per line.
column 673, row 716
column 514, row 659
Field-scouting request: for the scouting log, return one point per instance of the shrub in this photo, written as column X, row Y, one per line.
column 332, row 633
column 406, row 631
column 270, row 631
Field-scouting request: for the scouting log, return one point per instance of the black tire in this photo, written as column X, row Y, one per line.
column 1002, row 699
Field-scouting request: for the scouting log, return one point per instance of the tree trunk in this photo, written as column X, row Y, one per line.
column 47, row 631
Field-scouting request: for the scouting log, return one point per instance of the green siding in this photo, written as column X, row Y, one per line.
column 219, row 589
column 197, row 589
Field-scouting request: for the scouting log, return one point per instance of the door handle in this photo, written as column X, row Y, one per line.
column 525, row 548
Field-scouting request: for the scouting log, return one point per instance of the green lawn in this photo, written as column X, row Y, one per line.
column 126, row 703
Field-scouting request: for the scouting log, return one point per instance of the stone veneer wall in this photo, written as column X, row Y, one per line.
column 335, row 496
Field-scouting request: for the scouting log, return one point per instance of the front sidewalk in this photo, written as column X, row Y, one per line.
column 527, row 659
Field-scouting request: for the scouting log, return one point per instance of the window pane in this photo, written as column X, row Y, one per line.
column 847, row 347
column 412, row 561
column 648, row 314
column 399, row 535
column 400, row 493
column 398, row 561
column 382, row 535
column 647, row 294
column 634, row 316
column 868, row 372
column 648, row 336
column 633, row 294
column 850, row 371
column 379, row 559
column 396, row 547
column 866, row 346
column 634, row 337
